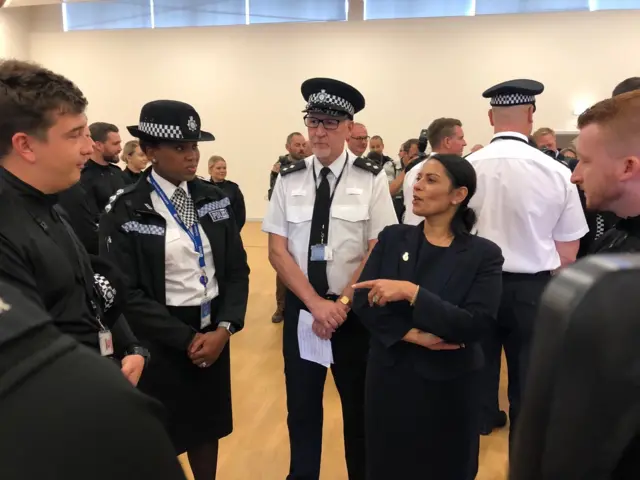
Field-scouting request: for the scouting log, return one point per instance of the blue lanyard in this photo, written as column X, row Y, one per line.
column 193, row 232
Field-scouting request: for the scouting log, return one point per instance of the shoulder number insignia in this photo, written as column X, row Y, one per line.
column 294, row 167
column 113, row 198
column 368, row 165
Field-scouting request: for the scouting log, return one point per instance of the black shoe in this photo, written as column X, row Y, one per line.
column 497, row 420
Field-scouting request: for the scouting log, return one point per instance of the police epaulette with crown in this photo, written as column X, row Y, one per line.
column 368, row 165
column 294, row 167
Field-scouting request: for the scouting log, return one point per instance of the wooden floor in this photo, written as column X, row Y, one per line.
column 258, row 449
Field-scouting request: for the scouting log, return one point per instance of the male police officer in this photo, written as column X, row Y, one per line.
column 528, row 206
column 324, row 217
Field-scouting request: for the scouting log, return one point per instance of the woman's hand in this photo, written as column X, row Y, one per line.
column 384, row 291
column 429, row 340
column 206, row 348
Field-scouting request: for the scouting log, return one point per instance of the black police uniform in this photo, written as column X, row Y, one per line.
column 132, row 235
column 100, row 182
column 233, row 192
column 130, row 177
column 198, row 400
column 57, row 399
column 40, row 255
column 83, row 214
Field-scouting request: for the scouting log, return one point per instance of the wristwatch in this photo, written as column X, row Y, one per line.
column 139, row 350
column 228, row 327
column 345, row 300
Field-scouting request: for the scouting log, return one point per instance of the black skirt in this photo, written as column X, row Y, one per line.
column 420, row 429
column 197, row 400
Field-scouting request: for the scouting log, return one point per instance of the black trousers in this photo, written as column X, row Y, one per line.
column 305, row 388
column 418, row 428
column 514, row 331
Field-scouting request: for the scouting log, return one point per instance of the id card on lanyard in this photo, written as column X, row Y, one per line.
column 194, row 235
column 321, row 251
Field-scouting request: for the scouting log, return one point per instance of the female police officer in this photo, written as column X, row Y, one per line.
column 176, row 239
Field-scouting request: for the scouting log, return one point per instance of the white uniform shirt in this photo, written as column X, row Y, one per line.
column 361, row 208
column 182, row 271
column 525, row 201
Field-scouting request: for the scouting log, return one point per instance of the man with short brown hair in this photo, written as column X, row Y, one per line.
column 608, row 171
column 609, row 156
column 43, row 147
column 445, row 135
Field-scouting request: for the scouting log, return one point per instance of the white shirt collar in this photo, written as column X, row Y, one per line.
column 336, row 167
column 167, row 187
column 512, row 134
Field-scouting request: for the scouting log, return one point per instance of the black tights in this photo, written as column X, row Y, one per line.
column 204, row 461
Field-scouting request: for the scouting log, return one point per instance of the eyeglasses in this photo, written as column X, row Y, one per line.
column 360, row 138
column 327, row 123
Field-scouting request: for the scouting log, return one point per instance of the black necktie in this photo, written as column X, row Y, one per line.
column 319, row 232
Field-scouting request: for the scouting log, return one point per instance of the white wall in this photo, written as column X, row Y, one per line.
column 245, row 81
column 14, row 33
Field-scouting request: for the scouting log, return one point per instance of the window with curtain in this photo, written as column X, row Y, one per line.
column 107, row 15
column 384, row 9
column 284, row 11
column 528, row 6
column 198, row 13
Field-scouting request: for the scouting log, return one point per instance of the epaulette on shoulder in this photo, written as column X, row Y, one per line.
column 114, row 198
column 294, row 167
column 368, row 165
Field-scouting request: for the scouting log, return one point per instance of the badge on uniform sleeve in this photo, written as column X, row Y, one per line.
column 321, row 253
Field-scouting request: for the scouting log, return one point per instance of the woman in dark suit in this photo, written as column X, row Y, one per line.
column 218, row 172
column 177, row 241
column 427, row 295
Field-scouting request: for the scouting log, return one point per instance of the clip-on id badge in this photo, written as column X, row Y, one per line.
column 106, row 342
column 205, row 306
column 321, row 253
column 205, row 314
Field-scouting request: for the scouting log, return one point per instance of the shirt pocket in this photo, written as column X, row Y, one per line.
column 299, row 214
column 174, row 248
column 348, row 229
column 298, row 229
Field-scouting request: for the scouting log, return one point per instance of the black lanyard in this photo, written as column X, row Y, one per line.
column 335, row 187
column 510, row 137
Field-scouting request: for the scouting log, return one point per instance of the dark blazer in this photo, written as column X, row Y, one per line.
column 458, row 300
column 132, row 235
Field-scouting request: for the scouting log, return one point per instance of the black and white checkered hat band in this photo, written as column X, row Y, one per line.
column 105, row 290
column 161, row 131
column 512, row 99
column 330, row 102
